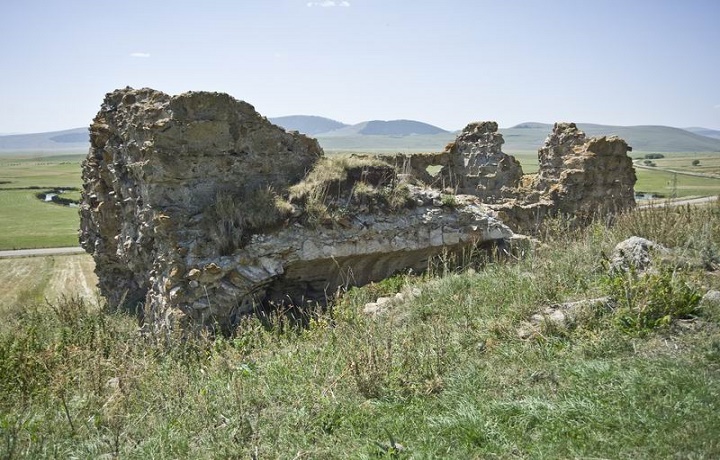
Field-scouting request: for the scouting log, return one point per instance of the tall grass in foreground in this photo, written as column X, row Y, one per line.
column 441, row 375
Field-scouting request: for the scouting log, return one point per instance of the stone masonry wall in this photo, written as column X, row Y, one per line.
column 186, row 210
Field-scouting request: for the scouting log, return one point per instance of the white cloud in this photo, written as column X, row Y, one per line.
column 140, row 55
column 329, row 3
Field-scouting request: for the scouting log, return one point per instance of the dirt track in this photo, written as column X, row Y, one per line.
column 683, row 202
column 41, row 252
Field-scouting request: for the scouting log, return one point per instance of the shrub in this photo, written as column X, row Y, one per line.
column 652, row 300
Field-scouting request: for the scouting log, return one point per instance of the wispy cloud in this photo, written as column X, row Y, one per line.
column 329, row 4
column 140, row 55
column 716, row 106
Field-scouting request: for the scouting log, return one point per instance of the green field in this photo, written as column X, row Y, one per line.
column 28, row 222
column 709, row 162
column 668, row 184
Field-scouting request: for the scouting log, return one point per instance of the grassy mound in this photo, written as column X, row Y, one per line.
column 441, row 374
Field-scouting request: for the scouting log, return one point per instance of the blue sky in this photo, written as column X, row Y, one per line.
column 444, row 62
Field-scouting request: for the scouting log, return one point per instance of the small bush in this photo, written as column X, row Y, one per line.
column 448, row 200
column 652, row 300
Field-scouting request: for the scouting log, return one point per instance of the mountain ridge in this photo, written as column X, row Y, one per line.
column 714, row 133
column 640, row 137
column 411, row 135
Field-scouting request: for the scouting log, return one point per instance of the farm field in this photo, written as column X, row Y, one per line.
column 29, row 280
column 709, row 162
column 667, row 184
column 27, row 222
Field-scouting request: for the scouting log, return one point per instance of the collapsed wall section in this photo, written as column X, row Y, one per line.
column 585, row 177
column 577, row 177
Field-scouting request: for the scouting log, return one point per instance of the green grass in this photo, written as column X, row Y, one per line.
column 441, row 375
column 30, row 223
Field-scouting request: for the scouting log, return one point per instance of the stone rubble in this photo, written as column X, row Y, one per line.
column 561, row 316
column 635, row 253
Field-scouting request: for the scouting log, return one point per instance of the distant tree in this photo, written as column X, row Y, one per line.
column 654, row 156
column 696, row 163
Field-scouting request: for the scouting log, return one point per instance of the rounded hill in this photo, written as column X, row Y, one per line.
column 398, row 128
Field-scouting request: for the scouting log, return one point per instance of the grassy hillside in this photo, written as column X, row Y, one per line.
column 526, row 136
column 443, row 374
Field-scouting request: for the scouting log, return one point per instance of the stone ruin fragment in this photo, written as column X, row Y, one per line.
column 476, row 164
column 578, row 177
column 201, row 210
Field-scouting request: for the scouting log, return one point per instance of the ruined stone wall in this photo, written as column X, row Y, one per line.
column 585, row 177
column 199, row 210
column 187, row 212
column 478, row 166
column 157, row 166
column 578, row 177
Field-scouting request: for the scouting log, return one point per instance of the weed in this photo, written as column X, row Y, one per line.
column 448, row 200
column 337, row 186
column 652, row 300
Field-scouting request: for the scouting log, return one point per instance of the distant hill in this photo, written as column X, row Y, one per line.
column 715, row 134
column 531, row 135
column 386, row 128
column 411, row 143
column 409, row 135
column 69, row 139
column 307, row 124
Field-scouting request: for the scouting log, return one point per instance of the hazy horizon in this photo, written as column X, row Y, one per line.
column 444, row 63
